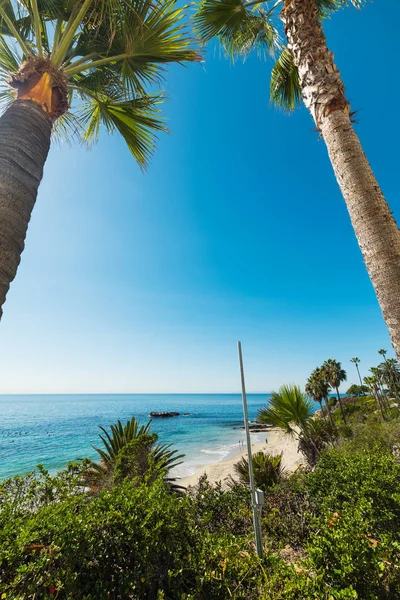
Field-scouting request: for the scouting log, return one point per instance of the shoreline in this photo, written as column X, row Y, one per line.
column 277, row 442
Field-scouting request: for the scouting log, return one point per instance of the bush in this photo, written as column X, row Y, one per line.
column 267, row 470
column 222, row 510
column 133, row 541
column 287, row 513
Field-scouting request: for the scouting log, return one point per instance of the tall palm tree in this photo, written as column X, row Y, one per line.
column 318, row 387
column 306, row 70
column 335, row 376
column 357, row 361
column 76, row 65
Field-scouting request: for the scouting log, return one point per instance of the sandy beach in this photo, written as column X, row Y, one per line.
column 277, row 443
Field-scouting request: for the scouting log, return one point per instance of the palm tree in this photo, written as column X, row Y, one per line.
column 390, row 375
column 267, row 470
column 305, row 69
column 372, row 383
column 74, row 67
column 318, row 387
column 357, row 361
column 335, row 376
column 291, row 411
column 131, row 451
column 313, row 391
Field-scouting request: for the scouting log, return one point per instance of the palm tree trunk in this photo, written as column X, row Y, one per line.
column 322, row 409
column 341, row 406
column 324, row 95
column 25, row 131
column 328, row 408
column 379, row 404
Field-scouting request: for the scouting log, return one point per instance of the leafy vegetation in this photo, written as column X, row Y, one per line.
column 131, row 452
column 267, row 470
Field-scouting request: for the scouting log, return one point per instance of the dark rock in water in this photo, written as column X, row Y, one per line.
column 164, row 415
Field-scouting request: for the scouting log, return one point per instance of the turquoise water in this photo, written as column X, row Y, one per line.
column 53, row 429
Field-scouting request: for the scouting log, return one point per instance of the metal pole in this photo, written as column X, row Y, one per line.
column 255, row 507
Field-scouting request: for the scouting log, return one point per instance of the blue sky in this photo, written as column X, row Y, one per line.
column 144, row 283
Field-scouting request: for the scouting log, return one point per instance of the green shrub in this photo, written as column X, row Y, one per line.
column 267, row 470
column 130, row 542
column 219, row 510
column 287, row 513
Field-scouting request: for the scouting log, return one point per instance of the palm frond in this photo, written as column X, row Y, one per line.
column 285, row 88
column 288, row 408
column 137, row 120
column 239, row 29
column 327, row 7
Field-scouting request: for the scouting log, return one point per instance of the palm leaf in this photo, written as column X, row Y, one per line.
column 136, row 120
column 287, row 408
column 238, row 28
column 285, row 88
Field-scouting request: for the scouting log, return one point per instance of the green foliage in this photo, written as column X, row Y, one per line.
column 285, row 85
column 342, row 480
column 222, row 510
column 318, row 436
column 130, row 542
column 287, row 408
column 357, row 390
column 107, row 60
column 287, row 513
column 267, row 470
column 131, row 451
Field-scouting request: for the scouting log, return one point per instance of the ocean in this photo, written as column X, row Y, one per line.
column 54, row 429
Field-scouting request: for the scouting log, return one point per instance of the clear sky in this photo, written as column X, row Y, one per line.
column 144, row 283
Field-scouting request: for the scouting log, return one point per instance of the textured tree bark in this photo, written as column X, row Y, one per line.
column 25, row 130
column 324, row 95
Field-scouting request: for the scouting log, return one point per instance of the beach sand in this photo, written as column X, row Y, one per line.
column 277, row 443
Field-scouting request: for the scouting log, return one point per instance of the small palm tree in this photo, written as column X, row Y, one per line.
column 357, row 361
column 335, row 376
column 76, row 66
column 289, row 409
column 292, row 411
column 131, row 451
column 267, row 470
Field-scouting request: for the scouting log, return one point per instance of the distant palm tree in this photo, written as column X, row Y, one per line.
column 372, row 383
column 267, row 470
column 318, row 387
column 76, row 67
column 131, row 451
column 335, row 376
column 390, row 374
column 357, row 361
